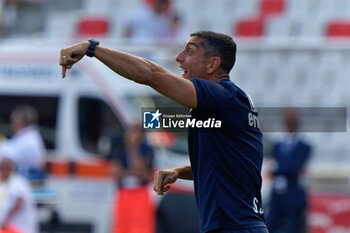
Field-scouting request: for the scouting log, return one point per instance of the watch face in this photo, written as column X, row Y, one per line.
column 91, row 40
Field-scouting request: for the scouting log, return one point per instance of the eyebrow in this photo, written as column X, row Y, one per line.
column 192, row 43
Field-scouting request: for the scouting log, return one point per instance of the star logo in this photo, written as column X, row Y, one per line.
column 151, row 120
column 156, row 115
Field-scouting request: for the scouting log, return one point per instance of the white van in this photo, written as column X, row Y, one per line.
column 73, row 112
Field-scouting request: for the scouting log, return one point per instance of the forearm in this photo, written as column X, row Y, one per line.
column 184, row 172
column 149, row 73
column 129, row 66
column 12, row 212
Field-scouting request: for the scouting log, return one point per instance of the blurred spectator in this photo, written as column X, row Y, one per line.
column 288, row 204
column 177, row 32
column 17, row 209
column 26, row 147
column 150, row 23
column 9, row 15
column 134, row 209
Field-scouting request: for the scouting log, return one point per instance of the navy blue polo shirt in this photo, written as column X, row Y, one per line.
column 226, row 161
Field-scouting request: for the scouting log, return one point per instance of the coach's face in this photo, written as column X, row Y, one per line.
column 193, row 60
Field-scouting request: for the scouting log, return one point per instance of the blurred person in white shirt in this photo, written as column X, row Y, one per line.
column 26, row 147
column 149, row 23
column 18, row 213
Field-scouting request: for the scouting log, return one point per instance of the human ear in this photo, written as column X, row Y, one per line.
column 213, row 64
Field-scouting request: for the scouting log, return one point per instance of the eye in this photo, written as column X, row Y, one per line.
column 188, row 51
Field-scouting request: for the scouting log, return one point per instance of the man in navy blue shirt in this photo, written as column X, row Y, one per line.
column 225, row 161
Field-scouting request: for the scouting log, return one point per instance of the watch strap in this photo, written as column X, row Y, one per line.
column 91, row 50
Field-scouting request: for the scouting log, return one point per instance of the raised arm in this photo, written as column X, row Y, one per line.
column 137, row 69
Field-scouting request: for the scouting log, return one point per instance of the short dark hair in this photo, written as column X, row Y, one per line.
column 221, row 45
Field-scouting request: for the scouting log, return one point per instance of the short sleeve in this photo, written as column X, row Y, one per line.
column 210, row 94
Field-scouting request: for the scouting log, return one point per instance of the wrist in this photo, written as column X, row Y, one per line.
column 178, row 171
column 85, row 45
column 184, row 172
column 90, row 52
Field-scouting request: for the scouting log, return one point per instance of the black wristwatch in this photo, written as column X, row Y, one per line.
column 91, row 50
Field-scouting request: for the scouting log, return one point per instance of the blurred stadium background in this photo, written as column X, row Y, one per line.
column 291, row 53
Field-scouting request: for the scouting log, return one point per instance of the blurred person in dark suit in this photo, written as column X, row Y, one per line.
column 288, row 204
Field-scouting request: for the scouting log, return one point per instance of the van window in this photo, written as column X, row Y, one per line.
column 96, row 119
column 47, row 111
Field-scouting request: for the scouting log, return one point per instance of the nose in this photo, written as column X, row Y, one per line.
column 179, row 57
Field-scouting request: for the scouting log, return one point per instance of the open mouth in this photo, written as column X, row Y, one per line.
column 185, row 71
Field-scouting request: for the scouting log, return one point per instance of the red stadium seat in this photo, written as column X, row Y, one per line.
column 250, row 28
column 271, row 7
column 93, row 26
column 338, row 29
